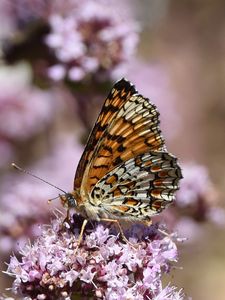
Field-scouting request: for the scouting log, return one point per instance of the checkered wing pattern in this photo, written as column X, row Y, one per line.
column 140, row 187
column 125, row 164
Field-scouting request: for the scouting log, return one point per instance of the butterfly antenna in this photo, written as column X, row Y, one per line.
column 35, row 176
column 52, row 199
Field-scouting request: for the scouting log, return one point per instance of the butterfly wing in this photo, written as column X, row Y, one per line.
column 128, row 125
column 138, row 188
column 119, row 94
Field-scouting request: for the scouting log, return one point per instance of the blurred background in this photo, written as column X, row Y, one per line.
column 58, row 62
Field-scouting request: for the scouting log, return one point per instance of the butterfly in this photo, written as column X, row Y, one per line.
column 125, row 172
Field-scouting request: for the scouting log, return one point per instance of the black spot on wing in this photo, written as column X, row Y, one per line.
column 117, row 161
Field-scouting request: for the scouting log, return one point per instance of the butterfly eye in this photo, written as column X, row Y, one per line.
column 71, row 201
column 68, row 200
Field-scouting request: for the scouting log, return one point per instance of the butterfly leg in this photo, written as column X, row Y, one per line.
column 81, row 235
column 120, row 229
column 67, row 219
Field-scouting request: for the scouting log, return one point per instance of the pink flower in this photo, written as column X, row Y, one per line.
column 197, row 194
column 195, row 184
column 91, row 36
column 25, row 110
column 101, row 269
column 86, row 38
column 196, row 201
column 24, row 205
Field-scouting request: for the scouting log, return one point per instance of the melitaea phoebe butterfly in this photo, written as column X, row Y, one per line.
column 125, row 172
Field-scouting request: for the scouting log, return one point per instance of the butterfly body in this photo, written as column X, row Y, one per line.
column 125, row 172
column 86, row 207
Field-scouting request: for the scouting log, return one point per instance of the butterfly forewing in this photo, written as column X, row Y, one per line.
column 126, row 127
column 119, row 94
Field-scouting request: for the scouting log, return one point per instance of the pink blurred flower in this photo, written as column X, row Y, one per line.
column 197, row 194
column 154, row 83
column 25, row 110
column 189, row 228
column 91, row 36
column 196, row 201
column 3, row 297
column 217, row 215
column 20, row 13
column 24, row 206
column 103, row 267
column 6, row 153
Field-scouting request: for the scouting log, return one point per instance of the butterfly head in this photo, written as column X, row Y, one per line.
column 68, row 200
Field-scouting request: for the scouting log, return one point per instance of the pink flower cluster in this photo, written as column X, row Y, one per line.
column 25, row 110
column 196, row 201
column 103, row 267
column 24, row 206
column 91, row 36
column 86, row 38
column 195, row 187
column 197, row 196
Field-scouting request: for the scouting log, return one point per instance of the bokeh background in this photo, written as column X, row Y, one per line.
column 58, row 61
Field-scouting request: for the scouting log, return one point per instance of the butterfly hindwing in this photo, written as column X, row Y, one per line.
column 139, row 187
